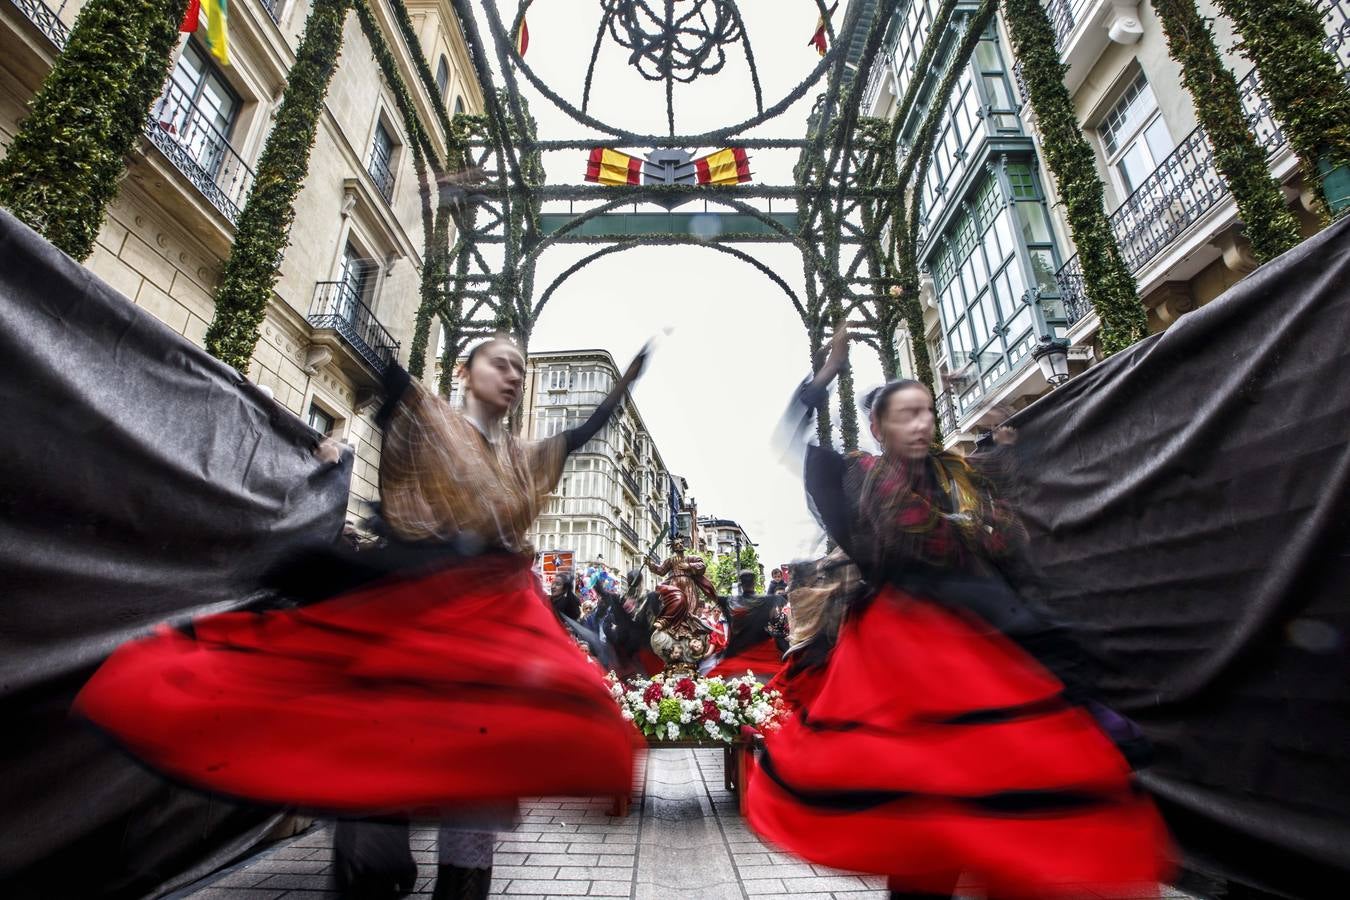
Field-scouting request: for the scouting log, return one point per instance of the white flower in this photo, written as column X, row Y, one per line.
column 686, row 718
column 627, row 716
column 728, row 716
column 672, row 730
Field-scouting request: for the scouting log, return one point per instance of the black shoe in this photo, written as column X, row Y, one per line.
column 456, row 883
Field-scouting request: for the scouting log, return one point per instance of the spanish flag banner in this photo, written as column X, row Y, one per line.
column 191, row 18
column 612, row 167
column 819, row 39
column 217, row 34
column 730, row 166
column 522, row 38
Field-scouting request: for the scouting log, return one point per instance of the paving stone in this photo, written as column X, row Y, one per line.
column 817, row 883
column 593, row 873
column 560, row 888
column 561, row 859
column 762, row 886
column 611, row 888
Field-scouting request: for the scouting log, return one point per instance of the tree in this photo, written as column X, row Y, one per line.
column 1302, row 80
column 1270, row 225
column 1109, row 284
column 65, row 162
column 724, row 573
column 250, row 273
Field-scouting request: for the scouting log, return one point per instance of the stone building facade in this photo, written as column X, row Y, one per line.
column 1000, row 265
column 348, row 291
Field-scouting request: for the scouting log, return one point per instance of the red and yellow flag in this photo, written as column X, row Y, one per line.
column 192, row 17
column 612, row 167
column 819, row 39
column 729, row 166
column 522, row 37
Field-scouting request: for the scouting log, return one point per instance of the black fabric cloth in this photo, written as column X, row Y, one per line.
column 749, row 622
column 143, row 481
column 1188, row 503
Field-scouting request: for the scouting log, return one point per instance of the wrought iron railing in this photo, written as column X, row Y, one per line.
column 273, row 8
column 1186, row 185
column 630, row 482
column 378, row 167
column 629, row 532
column 46, row 21
column 181, row 131
column 945, row 406
column 188, row 137
column 337, row 306
column 1061, row 16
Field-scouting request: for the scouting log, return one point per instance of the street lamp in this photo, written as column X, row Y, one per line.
column 1052, row 355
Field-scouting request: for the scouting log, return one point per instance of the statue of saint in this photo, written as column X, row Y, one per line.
column 686, row 576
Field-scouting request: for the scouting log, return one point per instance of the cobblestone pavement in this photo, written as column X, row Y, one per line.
column 683, row 838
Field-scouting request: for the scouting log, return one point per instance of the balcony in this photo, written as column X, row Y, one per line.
column 378, row 167
column 188, row 138
column 629, row 534
column 630, row 483
column 1187, row 185
column 181, row 131
column 1062, row 17
column 337, row 307
column 273, row 8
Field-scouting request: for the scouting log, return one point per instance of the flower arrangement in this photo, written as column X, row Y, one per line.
column 684, row 708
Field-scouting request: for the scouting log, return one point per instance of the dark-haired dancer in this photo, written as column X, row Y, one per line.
column 437, row 688
column 931, row 744
column 757, row 634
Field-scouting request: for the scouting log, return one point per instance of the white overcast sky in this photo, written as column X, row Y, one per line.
column 719, row 383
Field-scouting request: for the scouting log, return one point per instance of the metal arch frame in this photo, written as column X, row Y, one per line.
column 673, row 240
column 834, row 184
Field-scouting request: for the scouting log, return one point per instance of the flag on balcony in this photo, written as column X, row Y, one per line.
column 217, row 36
column 522, row 37
column 191, row 18
column 612, row 167
column 819, row 40
column 729, row 166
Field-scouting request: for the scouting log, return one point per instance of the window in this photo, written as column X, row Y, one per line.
column 442, row 77
column 357, row 278
column 199, row 109
column 382, row 161
column 320, row 421
column 1135, row 136
column 459, row 105
column 559, row 378
column 551, row 422
column 981, row 278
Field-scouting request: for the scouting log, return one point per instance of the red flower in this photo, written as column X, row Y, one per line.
column 684, row 688
column 710, row 711
column 652, row 694
column 744, row 692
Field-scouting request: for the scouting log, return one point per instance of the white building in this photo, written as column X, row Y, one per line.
column 1001, row 269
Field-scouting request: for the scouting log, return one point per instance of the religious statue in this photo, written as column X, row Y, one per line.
column 679, row 637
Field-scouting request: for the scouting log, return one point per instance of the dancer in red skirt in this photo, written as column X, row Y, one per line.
column 443, row 683
column 758, row 629
column 945, row 735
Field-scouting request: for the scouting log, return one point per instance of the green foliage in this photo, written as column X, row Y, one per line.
column 1108, row 281
column 66, row 160
column 1302, row 80
column 724, row 571
column 251, row 271
column 1270, row 225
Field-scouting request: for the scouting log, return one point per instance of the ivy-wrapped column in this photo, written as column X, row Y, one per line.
column 251, row 271
column 1302, row 80
column 1269, row 223
column 65, row 163
column 1109, row 284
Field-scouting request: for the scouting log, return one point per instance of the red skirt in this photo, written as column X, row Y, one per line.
column 934, row 748
column 761, row 659
column 420, row 694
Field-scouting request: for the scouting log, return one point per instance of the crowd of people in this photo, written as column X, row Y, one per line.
column 943, row 727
